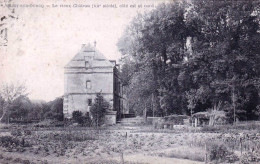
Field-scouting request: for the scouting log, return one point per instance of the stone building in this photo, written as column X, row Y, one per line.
column 87, row 74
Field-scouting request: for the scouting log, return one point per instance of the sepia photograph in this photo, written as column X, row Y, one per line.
column 129, row 81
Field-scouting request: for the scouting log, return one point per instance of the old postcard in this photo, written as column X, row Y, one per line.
column 129, row 81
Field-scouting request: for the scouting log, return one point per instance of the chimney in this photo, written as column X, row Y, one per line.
column 95, row 43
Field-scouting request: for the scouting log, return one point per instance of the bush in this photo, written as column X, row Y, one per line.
column 11, row 142
column 45, row 123
column 72, row 136
column 98, row 110
column 6, row 141
column 250, row 157
column 210, row 128
column 16, row 132
column 218, row 152
column 76, row 115
column 27, row 132
column 80, row 119
column 87, row 120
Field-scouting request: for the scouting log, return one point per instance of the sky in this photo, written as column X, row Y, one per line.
column 43, row 40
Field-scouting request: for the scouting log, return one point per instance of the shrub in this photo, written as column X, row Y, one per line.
column 45, row 123
column 80, row 119
column 27, row 132
column 217, row 151
column 11, row 142
column 6, row 141
column 98, row 110
column 210, row 128
column 232, row 158
column 86, row 120
column 71, row 136
column 77, row 116
column 250, row 157
column 16, row 132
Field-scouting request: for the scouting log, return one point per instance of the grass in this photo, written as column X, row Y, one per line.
column 184, row 152
column 238, row 127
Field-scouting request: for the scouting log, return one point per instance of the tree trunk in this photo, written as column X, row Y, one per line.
column 4, row 113
column 145, row 112
column 153, row 103
column 234, row 103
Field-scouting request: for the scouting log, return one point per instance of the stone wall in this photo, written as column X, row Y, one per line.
column 152, row 120
column 78, row 95
column 110, row 118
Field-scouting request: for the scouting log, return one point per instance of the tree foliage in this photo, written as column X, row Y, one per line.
column 9, row 95
column 188, row 57
column 15, row 106
column 98, row 110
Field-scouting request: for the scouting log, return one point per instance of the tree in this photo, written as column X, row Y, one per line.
column 189, row 57
column 39, row 110
column 225, row 55
column 1, row 105
column 9, row 93
column 20, row 109
column 98, row 110
column 56, row 108
column 156, row 44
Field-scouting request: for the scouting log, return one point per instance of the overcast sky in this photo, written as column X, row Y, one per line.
column 42, row 41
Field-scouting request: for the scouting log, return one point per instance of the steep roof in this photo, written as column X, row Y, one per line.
column 89, row 53
column 201, row 115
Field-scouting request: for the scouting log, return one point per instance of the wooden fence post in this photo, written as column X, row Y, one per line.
column 240, row 140
column 122, row 157
column 206, row 154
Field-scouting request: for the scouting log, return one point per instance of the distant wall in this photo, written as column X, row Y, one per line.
column 152, row 120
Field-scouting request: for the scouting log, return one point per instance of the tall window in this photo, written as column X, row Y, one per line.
column 88, row 84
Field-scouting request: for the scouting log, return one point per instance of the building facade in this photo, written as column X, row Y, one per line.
column 87, row 74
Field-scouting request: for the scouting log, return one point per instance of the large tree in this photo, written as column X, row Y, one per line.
column 225, row 54
column 156, row 42
column 10, row 93
column 194, row 56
